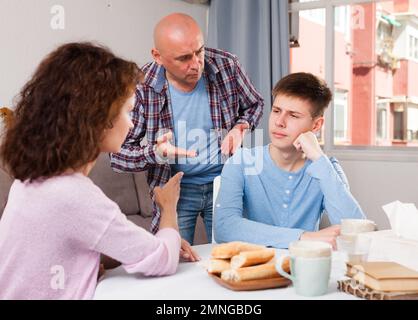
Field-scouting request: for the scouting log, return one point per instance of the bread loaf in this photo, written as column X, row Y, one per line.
column 263, row 271
column 230, row 249
column 251, row 258
column 216, row 266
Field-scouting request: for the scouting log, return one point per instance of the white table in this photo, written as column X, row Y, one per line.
column 191, row 282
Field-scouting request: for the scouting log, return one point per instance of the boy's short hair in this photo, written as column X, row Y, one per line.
column 307, row 87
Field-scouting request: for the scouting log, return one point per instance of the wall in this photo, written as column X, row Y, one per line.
column 376, row 183
column 125, row 26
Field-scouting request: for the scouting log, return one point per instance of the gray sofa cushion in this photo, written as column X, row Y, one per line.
column 142, row 192
column 5, row 183
column 119, row 187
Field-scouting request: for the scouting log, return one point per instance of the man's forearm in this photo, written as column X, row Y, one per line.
column 338, row 200
column 169, row 219
column 134, row 158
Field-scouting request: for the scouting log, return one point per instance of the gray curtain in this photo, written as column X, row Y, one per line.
column 257, row 31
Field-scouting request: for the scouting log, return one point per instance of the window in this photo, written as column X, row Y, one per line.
column 381, row 122
column 312, row 37
column 398, row 123
column 384, row 40
column 340, row 117
column 373, row 87
column 412, row 134
column 342, row 18
column 413, row 47
column 313, row 15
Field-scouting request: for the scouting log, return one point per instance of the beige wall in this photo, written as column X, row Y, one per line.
column 123, row 25
column 376, row 183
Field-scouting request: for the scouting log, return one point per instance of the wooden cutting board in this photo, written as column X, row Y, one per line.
column 252, row 285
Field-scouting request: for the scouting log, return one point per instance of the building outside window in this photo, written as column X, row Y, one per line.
column 373, row 68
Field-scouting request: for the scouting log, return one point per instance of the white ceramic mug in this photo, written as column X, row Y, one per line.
column 310, row 266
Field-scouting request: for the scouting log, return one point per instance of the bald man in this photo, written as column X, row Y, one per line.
column 191, row 113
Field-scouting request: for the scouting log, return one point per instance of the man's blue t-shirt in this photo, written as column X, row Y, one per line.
column 194, row 130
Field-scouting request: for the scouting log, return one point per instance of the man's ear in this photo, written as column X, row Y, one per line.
column 156, row 55
column 317, row 125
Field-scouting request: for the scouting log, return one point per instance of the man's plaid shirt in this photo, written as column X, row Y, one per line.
column 232, row 99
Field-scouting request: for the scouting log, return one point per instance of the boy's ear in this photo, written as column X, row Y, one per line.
column 317, row 125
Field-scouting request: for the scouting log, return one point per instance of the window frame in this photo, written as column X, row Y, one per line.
column 381, row 106
column 350, row 153
column 337, row 97
column 412, row 52
column 410, row 106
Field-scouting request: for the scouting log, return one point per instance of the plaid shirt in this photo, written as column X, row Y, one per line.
column 232, row 99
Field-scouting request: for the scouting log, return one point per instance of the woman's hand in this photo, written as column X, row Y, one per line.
column 166, row 198
column 187, row 253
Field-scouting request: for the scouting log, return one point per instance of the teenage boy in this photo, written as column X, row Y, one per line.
column 285, row 200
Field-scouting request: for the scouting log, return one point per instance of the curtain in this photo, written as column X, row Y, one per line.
column 257, row 31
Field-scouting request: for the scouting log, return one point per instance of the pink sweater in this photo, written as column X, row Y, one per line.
column 52, row 234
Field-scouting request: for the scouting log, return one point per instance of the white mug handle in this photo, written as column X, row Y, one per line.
column 279, row 262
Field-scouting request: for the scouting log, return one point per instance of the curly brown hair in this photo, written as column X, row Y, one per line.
column 62, row 112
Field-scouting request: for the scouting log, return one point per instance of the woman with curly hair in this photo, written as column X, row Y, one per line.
column 57, row 222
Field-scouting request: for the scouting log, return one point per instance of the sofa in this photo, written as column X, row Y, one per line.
column 129, row 191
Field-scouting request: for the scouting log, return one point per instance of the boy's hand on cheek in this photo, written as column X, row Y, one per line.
column 309, row 145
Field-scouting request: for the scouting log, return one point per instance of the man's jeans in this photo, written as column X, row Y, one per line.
column 194, row 200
